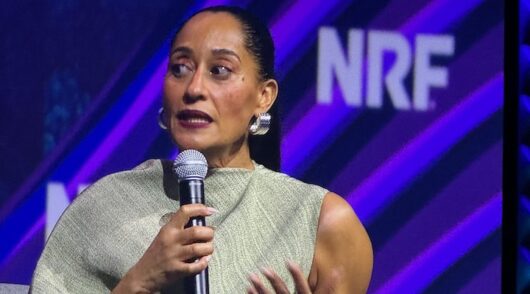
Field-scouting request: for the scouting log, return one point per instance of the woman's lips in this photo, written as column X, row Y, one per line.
column 191, row 118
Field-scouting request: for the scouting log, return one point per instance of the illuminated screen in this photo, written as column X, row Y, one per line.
column 396, row 105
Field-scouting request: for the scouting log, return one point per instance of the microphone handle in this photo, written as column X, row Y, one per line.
column 192, row 192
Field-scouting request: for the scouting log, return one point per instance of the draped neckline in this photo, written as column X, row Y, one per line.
column 225, row 187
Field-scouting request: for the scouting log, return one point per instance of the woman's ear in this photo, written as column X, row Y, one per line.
column 267, row 95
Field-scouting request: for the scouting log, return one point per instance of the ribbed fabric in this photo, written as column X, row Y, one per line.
column 265, row 219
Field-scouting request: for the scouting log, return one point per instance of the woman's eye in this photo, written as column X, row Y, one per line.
column 180, row 69
column 220, row 71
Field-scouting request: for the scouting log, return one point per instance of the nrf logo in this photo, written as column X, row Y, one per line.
column 347, row 67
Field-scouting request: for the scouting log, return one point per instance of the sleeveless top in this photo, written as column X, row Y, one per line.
column 265, row 218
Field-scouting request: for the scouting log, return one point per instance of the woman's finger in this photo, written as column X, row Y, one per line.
column 185, row 212
column 276, row 282
column 258, row 284
column 252, row 290
column 196, row 250
column 196, row 234
column 191, row 268
column 300, row 283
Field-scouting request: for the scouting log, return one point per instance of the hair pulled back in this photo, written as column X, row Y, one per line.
column 258, row 41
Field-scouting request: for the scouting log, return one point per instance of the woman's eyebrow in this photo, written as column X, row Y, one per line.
column 182, row 49
column 224, row 51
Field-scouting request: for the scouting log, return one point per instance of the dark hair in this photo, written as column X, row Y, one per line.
column 264, row 149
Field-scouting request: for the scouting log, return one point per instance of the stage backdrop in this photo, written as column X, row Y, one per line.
column 394, row 104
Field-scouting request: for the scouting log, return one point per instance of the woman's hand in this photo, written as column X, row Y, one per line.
column 300, row 283
column 170, row 255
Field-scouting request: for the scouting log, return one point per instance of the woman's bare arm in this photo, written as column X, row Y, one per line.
column 343, row 257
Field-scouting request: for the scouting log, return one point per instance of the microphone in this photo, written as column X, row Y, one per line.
column 191, row 167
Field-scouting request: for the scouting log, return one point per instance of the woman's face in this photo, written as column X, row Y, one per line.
column 211, row 89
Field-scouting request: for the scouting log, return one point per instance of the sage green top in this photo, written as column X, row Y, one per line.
column 265, row 219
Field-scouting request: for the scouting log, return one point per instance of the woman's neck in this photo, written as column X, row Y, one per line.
column 236, row 157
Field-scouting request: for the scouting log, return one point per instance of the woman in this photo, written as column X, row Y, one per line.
column 267, row 230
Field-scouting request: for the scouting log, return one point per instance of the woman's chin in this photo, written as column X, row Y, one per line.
column 194, row 146
column 191, row 139
column 196, row 143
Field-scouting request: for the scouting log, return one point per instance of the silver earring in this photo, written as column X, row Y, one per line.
column 261, row 124
column 160, row 119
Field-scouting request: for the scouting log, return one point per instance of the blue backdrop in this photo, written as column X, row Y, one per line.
column 394, row 104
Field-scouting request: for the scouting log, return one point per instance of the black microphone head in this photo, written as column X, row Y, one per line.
column 190, row 164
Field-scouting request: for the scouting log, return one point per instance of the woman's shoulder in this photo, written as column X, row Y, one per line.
column 144, row 176
column 283, row 182
column 149, row 172
column 119, row 193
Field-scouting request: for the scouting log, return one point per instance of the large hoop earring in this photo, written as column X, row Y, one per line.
column 160, row 119
column 261, row 124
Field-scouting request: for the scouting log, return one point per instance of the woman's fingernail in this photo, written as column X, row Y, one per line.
column 212, row 210
column 266, row 271
column 253, row 276
column 291, row 264
column 208, row 258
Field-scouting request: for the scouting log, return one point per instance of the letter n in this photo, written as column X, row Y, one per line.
column 332, row 62
column 56, row 202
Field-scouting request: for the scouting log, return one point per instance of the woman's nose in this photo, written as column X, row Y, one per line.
column 196, row 87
